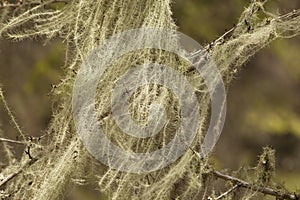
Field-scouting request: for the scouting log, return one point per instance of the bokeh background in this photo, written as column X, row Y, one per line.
column 263, row 100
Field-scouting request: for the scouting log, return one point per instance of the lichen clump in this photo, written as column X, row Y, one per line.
column 59, row 159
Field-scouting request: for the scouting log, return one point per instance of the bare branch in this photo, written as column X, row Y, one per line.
column 264, row 190
column 14, row 174
column 227, row 192
column 10, row 114
column 11, row 176
column 241, row 183
column 12, row 141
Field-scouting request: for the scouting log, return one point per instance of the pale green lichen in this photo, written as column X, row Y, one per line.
column 83, row 24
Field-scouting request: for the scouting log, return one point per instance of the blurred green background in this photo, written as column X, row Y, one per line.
column 263, row 100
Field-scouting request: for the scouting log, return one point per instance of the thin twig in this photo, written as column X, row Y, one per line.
column 11, row 176
column 264, row 190
column 12, row 141
column 253, row 187
column 224, row 35
column 227, row 192
column 10, row 114
column 14, row 174
column 35, row 3
column 286, row 16
column 27, row 152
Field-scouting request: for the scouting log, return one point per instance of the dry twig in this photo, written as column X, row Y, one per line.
column 227, row 192
column 12, row 141
column 264, row 190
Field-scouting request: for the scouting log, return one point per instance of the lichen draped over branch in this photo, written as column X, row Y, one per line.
column 59, row 160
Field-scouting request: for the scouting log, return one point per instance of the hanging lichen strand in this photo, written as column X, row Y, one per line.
column 59, row 162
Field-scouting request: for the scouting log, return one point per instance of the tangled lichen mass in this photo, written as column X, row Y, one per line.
column 53, row 164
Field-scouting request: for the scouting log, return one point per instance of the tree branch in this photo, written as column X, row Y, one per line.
column 241, row 183
column 227, row 192
column 12, row 141
column 264, row 190
column 14, row 174
column 9, row 177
